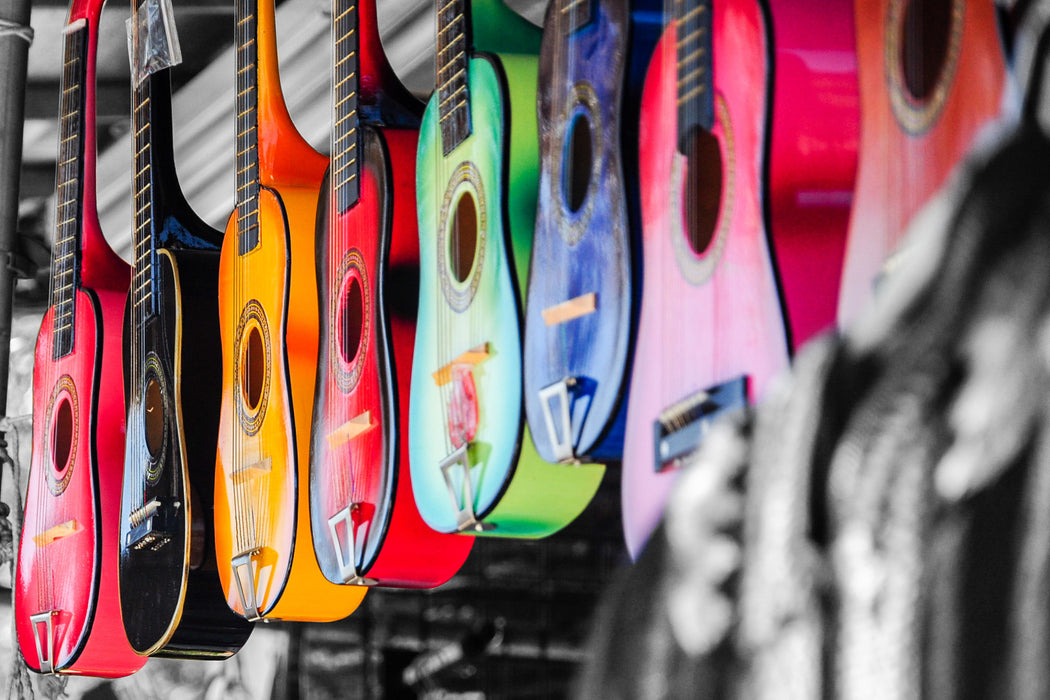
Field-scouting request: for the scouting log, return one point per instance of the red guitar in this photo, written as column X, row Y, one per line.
column 712, row 330
column 366, row 526
column 931, row 76
column 67, row 610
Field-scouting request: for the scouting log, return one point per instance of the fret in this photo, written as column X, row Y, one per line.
column 143, row 234
column 247, row 151
column 578, row 13
column 65, row 254
column 452, row 73
column 695, row 78
column 345, row 191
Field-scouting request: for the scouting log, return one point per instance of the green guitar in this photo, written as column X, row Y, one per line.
column 474, row 467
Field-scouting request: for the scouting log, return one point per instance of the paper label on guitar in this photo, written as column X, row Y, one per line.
column 153, row 43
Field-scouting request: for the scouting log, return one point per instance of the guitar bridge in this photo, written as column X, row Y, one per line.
column 466, row 519
column 153, row 526
column 54, row 534
column 350, row 430
column 250, row 472
column 680, row 428
column 560, row 431
column 47, row 619
column 474, row 356
column 347, row 567
column 570, row 310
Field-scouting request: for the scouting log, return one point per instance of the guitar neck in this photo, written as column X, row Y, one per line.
column 346, row 162
column 453, row 54
column 66, row 256
column 247, row 36
column 694, row 67
column 142, row 280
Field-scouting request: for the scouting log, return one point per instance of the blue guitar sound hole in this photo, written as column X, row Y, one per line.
column 579, row 162
column 463, row 243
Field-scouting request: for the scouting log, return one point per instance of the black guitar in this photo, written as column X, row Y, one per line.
column 172, row 602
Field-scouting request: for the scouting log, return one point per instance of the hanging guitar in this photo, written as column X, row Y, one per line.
column 268, row 328
column 583, row 291
column 932, row 74
column 712, row 330
column 67, row 607
column 474, row 467
column 366, row 526
column 170, row 595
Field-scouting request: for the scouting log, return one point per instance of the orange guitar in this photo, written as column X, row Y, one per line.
column 931, row 75
column 268, row 324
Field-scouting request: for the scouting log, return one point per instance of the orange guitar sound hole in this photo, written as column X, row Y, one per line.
column 351, row 320
column 153, row 408
column 463, row 243
column 579, row 164
column 924, row 46
column 703, row 189
column 253, row 369
column 63, row 445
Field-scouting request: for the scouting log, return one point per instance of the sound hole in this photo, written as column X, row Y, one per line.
column 351, row 320
column 703, row 189
column 63, row 445
column 253, row 369
column 463, row 243
column 153, row 407
column 577, row 178
column 924, row 46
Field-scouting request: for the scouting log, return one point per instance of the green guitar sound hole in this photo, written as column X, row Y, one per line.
column 63, row 436
column 153, row 417
column 703, row 190
column 579, row 163
column 463, row 241
column 924, row 46
column 351, row 321
column 253, row 369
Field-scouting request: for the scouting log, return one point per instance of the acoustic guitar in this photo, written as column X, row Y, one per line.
column 170, row 595
column 268, row 329
column 721, row 177
column 474, row 466
column 67, row 607
column 584, row 283
column 366, row 526
column 931, row 76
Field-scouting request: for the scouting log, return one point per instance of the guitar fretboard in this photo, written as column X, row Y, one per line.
column 142, row 277
column 65, row 260
column 453, row 44
column 247, row 127
column 574, row 14
column 346, row 167
column 696, row 103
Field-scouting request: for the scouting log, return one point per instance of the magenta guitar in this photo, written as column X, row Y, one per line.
column 713, row 329
column 67, row 609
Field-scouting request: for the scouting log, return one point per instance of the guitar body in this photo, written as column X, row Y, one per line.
column 919, row 120
column 490, row 178
column 170, row 593
column 365, row 522
column 67, row 561
column 587, row 228
column 712, row 318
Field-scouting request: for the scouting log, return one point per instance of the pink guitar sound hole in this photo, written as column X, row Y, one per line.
column 704, row 187
column 462, row 407
column 351, row 321
column 924, row 49
column 63, row 436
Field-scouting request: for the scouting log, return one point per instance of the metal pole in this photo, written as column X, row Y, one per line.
column 15, row 37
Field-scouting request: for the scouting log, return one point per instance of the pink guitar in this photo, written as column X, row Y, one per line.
column 713, row 330
column 67, row 610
